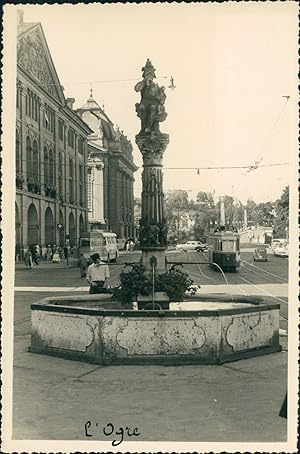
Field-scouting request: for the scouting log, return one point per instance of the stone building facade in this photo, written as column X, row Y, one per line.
column 110, row 173
column 51, row 149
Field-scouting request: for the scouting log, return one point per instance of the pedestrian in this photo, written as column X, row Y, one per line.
column 127, row 246
column 82, row 263
column 35, row 254
column 60, row 252
column 49, row 253
column 131, row 246
column 97, row 274
column 28, row 259
column 56, row 258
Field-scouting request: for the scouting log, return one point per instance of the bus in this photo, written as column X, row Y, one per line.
column 224, row 250
column 101, row 241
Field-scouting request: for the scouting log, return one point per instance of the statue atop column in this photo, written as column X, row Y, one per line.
column 152, row 144
column 151, row 109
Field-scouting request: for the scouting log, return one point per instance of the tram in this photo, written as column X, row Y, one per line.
column 224, row 250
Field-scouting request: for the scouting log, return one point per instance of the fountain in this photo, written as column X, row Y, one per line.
column 156, row 328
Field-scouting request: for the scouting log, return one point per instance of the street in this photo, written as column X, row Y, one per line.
column 240, row 401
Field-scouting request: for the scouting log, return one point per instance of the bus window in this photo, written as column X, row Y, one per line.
column 99, row 241
column 228, row 246
column 84, row 242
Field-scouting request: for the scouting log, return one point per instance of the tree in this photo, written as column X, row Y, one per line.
column 177, row 204
column 281, row 219
column 206, row 214
column 263, row 214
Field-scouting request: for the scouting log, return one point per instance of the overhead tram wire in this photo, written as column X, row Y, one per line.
column 260, row 156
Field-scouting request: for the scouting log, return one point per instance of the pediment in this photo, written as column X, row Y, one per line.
column 34, row 57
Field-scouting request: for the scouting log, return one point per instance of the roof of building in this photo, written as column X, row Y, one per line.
column 91, row 104
column 24, row 27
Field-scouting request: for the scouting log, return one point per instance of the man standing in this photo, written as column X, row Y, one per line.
column 97, row 274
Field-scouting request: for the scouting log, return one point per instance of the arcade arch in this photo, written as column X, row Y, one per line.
column 17, row 225
column 32, row 226
column 72, row 230
column 49, row 227
column 61, row 231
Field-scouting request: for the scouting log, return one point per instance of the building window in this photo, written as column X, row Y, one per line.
column 81, row 145
column 89, row 189
column 48, row 120
column 29, row 158
column 18, row 152
column 32, row 105
column 35, row 161
column 51, row 168
column 60, row 130
column 71, row 181
column 81, row 185
column 46, row 166
column 18, row 96
column 71, row 137
column 60, row 174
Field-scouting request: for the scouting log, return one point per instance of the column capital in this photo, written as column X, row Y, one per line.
column 152, row 146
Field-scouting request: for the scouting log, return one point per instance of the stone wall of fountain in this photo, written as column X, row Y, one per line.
column 87, row 328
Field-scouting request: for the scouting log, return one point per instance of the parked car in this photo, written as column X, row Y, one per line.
column 191, row 246
column 275, row 242
column 282, row 250
column 260, row 254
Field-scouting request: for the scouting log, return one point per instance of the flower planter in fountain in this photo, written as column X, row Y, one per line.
column 159, row 299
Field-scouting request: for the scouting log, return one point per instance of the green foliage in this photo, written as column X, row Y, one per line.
column 206, row 214
column 174, row 283
column 262, row 214
column 136, row 282
column 133, row 282
column 282, row 214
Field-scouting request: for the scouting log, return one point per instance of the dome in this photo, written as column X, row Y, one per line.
column 91, row 103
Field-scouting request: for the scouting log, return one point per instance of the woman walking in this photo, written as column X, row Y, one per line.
column 28, row 259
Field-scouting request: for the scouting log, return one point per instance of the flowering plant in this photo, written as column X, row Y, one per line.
column 174, row 282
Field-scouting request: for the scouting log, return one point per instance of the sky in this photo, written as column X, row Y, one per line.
column 232, row 65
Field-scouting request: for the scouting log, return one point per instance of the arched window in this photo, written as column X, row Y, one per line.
column 18, row 153
column 71, row 181
column 35, row 161
column 29, row 158
column 46, row 166
column 81, row 185
column 60, row 173
column 51, row 168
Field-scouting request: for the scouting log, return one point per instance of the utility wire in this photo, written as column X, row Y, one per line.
column 178, row 168
column 260, row 156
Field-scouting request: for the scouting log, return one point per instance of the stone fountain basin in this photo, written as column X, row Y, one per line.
column 207, row 330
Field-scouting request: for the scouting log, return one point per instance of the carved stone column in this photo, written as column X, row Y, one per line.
column 152, row 144
column 153, row 227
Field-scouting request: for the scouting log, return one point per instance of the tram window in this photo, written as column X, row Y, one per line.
column 228, row 246
column 219, row 247
column 237, row 244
